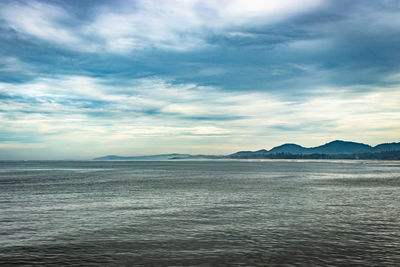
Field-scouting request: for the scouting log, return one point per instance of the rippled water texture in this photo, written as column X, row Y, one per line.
column 214, row 213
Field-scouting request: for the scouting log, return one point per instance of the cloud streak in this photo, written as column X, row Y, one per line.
column 62, row 108
column 138, row 25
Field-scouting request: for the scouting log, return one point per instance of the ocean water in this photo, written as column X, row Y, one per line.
column 200, row 213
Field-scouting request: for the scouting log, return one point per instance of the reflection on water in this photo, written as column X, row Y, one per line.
column 200, row 213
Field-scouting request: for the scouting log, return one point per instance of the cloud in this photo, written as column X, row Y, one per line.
column 73, row 109
column 138, row 25
column 221, row 46
column 44, row 21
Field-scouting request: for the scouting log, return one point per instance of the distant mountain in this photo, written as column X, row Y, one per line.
column 340, row 147
column 337, row 149
column 151, row 157
column 387, row 147
column 288, row 148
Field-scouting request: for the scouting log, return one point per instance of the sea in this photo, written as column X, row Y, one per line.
column 200, row 213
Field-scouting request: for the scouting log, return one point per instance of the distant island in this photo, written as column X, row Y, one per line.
column 333, row 150
column 150, row 157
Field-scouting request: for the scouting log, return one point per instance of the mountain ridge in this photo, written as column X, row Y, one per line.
column 335, row 149
column 331, row 148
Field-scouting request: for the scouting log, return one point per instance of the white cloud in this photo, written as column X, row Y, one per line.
column 261, row 12
column 187, row 116
column 136, row 25
column 40, row 20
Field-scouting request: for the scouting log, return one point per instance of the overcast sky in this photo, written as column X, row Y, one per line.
column 80, row 79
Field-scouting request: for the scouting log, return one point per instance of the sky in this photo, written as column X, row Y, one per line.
column 81, row 79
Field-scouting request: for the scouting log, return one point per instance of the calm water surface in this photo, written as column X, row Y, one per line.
column 208, row 213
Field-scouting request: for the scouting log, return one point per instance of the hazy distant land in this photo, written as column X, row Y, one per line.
column 333, row 150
